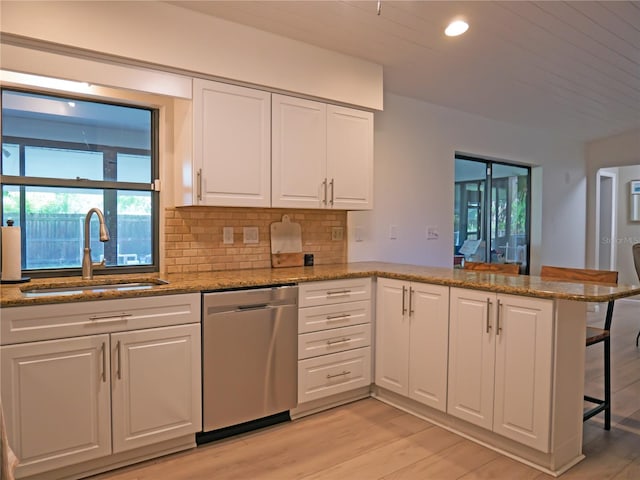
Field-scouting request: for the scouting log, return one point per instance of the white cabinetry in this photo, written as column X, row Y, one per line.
column 231, row 145
column 130, row 384
column 500, row 364
column 411, row 340
column 334, row 341
column 322, row 155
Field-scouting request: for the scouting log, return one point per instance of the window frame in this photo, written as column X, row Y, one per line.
column 23, row 181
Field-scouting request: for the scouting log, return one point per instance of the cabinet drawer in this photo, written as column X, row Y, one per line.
column 313, row 319
column 47, row 322
column 336, row 373
column 332, row 341
column 334, row 291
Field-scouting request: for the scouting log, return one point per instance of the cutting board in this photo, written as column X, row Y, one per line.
column 286, row 243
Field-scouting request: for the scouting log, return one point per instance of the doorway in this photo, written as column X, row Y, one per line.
column 492, row 211
column 606, row 191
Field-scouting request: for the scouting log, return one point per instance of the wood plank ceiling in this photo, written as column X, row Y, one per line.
column 571, row 67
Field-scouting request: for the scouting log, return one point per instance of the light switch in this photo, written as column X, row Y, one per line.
column 359, row 232
column 227, row 235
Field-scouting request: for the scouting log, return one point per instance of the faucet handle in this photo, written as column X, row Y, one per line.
column 101, row 264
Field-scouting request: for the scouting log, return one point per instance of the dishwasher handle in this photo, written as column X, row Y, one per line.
column 256, row 306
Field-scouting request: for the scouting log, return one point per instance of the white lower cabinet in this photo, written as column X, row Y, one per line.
column 73, row 400
column 500, row 364
column 411, row 340
column 156, row 385
column 57, row 401
column 334, row 340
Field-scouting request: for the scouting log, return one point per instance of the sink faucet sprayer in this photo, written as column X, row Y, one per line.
column 87, row 264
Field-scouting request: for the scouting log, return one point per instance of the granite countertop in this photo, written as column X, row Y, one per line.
column 532, row 286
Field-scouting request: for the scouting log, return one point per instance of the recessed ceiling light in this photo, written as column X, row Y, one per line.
column 455, row 28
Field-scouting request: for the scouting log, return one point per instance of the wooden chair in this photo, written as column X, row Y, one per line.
column 493, row 267
column 636, row 261
column 594, row 335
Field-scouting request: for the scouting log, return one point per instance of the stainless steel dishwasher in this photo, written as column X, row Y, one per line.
column 249, row 357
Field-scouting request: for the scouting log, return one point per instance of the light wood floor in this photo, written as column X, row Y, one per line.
column 370, row 440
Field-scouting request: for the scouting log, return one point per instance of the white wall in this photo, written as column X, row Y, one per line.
column 415, row 144
column 158, row 33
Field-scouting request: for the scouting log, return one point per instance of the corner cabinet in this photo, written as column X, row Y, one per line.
column 412, row 321
column 231, row 145
column 322, row 155
column 500, row 364
column 127, row 378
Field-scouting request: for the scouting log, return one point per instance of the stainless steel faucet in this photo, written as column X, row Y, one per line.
column 87, row 264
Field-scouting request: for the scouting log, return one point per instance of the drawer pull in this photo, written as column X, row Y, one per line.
column 342, row 340
column 110, row 318
column 342, row 316
column 338, row 293
column 345, row 372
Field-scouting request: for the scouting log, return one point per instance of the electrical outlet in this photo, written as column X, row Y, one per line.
column 250, row 235
column 337, row 233
column 359, row 234
column 227, row 235
column 393, row 232
column 432, row 232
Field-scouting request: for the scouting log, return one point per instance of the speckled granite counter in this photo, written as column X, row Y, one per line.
column 531, row 286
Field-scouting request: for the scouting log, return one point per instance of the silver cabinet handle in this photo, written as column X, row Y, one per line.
column 324, row 185
column 404, row 308
column 410, row 301
column 331, row 184
column 103, row 352
column 199, row 183
column 338, row 292
column 342, row 340
column 110, row 318
column 345, row 372
column 119, row 366
column 488, row 314
column 342, row 316
column 498, row 327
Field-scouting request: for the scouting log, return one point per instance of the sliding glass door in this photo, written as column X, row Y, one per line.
column 491, row 214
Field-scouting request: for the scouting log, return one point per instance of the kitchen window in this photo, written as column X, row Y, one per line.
column 62, row 156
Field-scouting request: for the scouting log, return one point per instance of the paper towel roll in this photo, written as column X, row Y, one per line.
column 11, row 254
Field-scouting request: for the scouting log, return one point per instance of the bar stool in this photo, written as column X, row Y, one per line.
column 594, row 335
column 493, row 267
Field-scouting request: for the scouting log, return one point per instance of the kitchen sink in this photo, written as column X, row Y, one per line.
column 75, row 289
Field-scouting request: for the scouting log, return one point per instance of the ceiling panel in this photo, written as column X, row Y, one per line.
column 572, row 67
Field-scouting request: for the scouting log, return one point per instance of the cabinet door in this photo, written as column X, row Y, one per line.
column 523, row 373
column 156, row 385
column 349, row 158
column 232, row 145
column 471, row 356
column 428, row 345
column 299, row 153
column 55, row 396
column 392, row 336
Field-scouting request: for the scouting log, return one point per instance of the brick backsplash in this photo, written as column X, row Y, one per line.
column 193, row 237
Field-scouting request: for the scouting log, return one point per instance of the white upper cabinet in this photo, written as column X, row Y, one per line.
column 349, row 158
column 232, row 145
column 299, row 153
column 322, row 155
